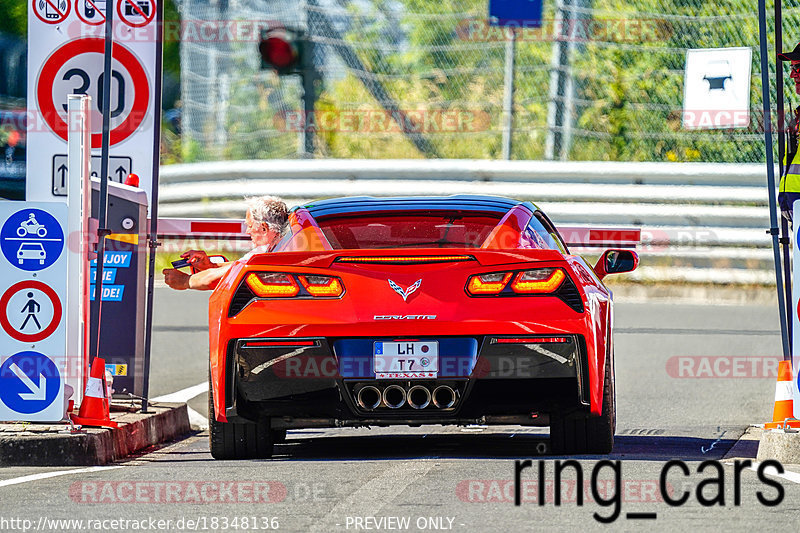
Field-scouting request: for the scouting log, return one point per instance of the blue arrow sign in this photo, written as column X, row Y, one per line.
column 29, row 382
column 31, row 239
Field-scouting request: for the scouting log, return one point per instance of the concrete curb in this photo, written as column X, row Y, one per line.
column 780, row 445
column 38, row 445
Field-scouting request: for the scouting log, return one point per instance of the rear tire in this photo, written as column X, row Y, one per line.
column 230, row 440
column 586, row 434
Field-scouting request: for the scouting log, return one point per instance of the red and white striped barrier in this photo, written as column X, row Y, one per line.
column 202, row 228
column 591, row 237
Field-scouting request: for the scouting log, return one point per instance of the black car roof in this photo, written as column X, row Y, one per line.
column 356, row 204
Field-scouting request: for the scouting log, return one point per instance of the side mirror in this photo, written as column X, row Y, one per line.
column 616, row 262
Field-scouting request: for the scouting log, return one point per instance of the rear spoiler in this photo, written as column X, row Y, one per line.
column 235, row 229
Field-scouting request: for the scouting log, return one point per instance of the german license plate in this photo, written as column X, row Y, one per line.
column 406, row 360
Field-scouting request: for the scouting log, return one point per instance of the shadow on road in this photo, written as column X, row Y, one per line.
column 626, row 447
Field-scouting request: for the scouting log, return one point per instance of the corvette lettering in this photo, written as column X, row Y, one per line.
column 404, row 317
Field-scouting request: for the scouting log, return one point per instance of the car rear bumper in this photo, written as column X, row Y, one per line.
column 307, row 382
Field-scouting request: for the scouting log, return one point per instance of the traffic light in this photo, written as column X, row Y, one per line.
column 289, row 51
column 282, row 49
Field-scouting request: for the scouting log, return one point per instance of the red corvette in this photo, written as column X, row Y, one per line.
column 409, row 311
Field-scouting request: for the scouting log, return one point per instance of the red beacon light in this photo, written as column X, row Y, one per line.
column 132, row 180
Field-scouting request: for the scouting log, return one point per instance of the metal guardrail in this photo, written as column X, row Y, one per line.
column 746, row 174
column 701, row 222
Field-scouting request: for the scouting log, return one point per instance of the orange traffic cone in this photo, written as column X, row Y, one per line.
column 94, row 407
column 784, row 406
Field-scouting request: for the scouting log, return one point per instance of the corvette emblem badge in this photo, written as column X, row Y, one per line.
column 405, row 293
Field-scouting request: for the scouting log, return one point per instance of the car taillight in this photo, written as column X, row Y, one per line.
column 322, row 286
column 484, row 284
column 272, row 285
column 539, row 281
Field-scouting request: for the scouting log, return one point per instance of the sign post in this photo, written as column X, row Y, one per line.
column 78, row 198
column 33, row 332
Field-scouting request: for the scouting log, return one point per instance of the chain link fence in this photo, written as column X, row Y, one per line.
column 600, row 80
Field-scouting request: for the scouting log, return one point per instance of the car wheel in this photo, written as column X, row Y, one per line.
column 230, row 440
column 588, row 434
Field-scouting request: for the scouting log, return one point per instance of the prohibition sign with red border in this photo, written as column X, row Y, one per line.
column 30, row 337
column 97, row 10
column 135, row 6
column 44, row 91
column 53, row 4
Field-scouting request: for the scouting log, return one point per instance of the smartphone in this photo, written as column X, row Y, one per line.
column 181, row 263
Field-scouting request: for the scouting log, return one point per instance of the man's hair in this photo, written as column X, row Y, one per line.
column 270, row 210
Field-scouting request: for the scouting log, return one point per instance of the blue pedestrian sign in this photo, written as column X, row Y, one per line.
column 516, row 13
column 31, row 239
column 29, row 383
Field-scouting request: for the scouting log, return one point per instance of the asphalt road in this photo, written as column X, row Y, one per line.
column 676, row 396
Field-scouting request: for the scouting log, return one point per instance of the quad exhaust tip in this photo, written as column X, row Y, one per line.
column 419, row 397
column 369, row 397
column 444, row 397
column 394, row 396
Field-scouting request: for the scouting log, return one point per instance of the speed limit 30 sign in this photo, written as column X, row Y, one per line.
column 65, row 57
column 69, row 71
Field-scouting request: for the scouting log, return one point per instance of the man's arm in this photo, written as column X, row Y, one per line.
column 207, row 279
column 202, row 281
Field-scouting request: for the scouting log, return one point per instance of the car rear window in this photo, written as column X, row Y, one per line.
column 421, row 230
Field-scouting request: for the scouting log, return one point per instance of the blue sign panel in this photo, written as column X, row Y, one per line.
column 517, row 13
column 109, row 275
column 115, row 259
column 29, row 382
column 111, row 293
column 31, row 239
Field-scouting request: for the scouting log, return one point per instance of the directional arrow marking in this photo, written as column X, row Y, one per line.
column 38, row 392
column 63, row 170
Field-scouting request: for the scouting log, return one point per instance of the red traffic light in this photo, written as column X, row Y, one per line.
column 279, row 49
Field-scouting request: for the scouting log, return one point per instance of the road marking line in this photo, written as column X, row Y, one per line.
column 375, row 493
column 45, row 475
column 183, row 395
column 794, row 477
column 196, row 419
column 788, row 475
